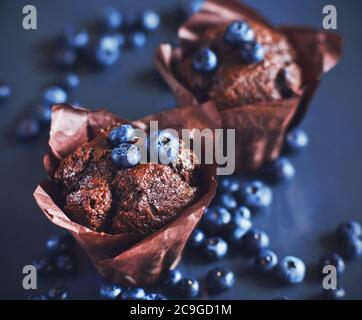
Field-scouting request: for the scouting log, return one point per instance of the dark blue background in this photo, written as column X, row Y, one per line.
column 326, row 190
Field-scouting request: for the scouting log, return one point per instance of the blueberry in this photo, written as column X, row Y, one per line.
column 265, row 261
column 256, row 195
column 5, row 91
column 110, row 291
column 242, row 212
column 133, row 294
column 189, row 7
column 122, row 134
column 43, row 113
column 171, row 278
column 239, row 32
column 164, row 145
column 205, row 61
column 74, row 38
column 44, row 266
column 349, row 229
column 252, row 52
column 334, row 294
column 69, row 81
column 28, row 129
column 149, row 20
column 65, row 58
column 215, row 219
column 291, row 270
column 220, row 279
column 137, row 39
column 280, row 170
column 154, row 296
column 332, row 259
column 58, row 292
column 188, row 288
column 228, row 201
column 111, row 19
column 105, row 51
column 61, row 243
column 254, row 241
column 296, row 140
column 236, row 229
column 66, row 264
column 352, row 248
column 196, row 239
column 38, row 296
column 120, row 38
column 215, row 248
column 126, row 155
column 229, row 185
column 54, row 95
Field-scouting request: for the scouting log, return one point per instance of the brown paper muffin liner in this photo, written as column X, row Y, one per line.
column 260, row 128
column 125, row 258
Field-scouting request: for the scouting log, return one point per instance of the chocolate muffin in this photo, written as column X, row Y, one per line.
column 271, row 73
column 135, row 199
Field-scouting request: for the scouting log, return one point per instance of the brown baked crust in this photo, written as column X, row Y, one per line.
column 235, row 83
column 140, row 199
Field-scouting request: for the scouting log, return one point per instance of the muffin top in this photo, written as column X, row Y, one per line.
column 252, row 62
column 105, row 194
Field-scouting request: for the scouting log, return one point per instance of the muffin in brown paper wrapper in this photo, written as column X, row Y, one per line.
column 260, row 127
column 129, row 259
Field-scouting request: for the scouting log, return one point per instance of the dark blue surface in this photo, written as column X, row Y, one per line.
column 326, row 189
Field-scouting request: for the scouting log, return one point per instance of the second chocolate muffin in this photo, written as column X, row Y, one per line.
column 238, row 80
column 138, row 199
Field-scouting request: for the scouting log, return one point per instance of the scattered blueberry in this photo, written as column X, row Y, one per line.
column 43, row 113
column 228, row 201
column 352, row 248
column 149, row 20
column 239, row 32
column 296, row 140
column 74, row 38
column 349, row 230
column 132, row 294
column 66, row 264
column 126, row 155
column 236, row 229
column 220, row 279
column 58, row 292
column 332, row 259
column 265, row 261
column 5, row 91
column 154, row 296
column 189, row 7
column 122, row 134
column 215, row 219
column 215, row 248
column 137, row 39
column 38, row 296
column 254, row 241
column 291, row 270
column 65, row 58
column 334, row 294
column 69, row 81
column 252, row 52
column 196, row 239
column 172, row 278
column 242, row 212
column 205, row 61
column 280, row 170
column 111, row 19
column 110, row 291
column 28, row 129
column 188, row 288
column 229, row 184
column 256, row 195
column 163, row 146
column 105, row 51
column 61, row 243
column 54, row 95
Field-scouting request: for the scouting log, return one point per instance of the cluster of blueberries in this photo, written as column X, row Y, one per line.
column 238, row 35
column 126, row 152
